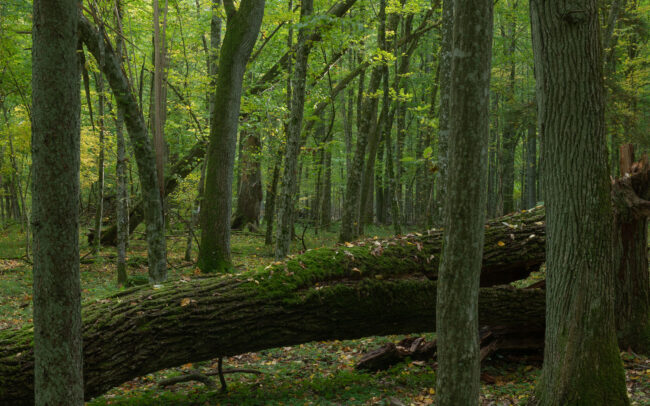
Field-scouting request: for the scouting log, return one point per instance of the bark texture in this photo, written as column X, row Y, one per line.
column 581, row 361
column 249, row 198
column 142, row 146
column 457, row 307
column 242, row 27
column 56, row 360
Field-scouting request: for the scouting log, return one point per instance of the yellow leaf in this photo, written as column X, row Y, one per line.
column 349, row 245
column 185, row 301
column 501, row 243
column 432, row 391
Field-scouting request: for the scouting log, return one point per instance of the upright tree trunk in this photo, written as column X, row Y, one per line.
column 443, row 111
column 249, row 198
column 463, row 235
column 632, row 306
column 122, row 192
column 99, row 208
column 243, row 25
column 196, row 210
column 326, row 194
column 290, row 175
column 509, row 139
column 581, row 361
column 58, row 374
column 269, row 204
column 531, row 166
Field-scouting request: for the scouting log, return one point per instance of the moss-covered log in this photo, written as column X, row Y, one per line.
column 371, row 288
column 145, row 330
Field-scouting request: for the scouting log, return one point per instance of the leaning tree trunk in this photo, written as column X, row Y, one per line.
column 55, row 361
column 142, row 146
column 582, row 365
column 249, row 198
column 458, row 317
column 377, row 287
column 243, row 25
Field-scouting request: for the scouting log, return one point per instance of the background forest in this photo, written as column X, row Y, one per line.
column 341, row 138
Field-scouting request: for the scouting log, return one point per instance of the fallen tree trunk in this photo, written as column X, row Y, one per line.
column 373, row 287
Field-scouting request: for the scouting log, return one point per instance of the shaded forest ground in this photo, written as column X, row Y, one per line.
column 316, row 373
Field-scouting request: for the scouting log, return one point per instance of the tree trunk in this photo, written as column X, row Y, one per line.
column 249, row 198
column 531, row 166
column 581, row 361
column 99, row 209
column 122, row 198
column 196, row 210
column 55, row 367
column 443, row 111
column 269, row 205
column 460, row 270
column 142, row 147
column 292, row 150
column 326, row 194
column 243, row 25
column 632, row 307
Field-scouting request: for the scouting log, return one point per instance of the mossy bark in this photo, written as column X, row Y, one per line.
column 324, row 294
column 581, row 361
column 56, row 357
column 242, row 27
column 457, row 317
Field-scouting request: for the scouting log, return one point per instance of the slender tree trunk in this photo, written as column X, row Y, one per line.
column 122, row 198
column 463, row 236
column 443, row 111
column 196, row 210
column 531, row 166
column 581, row 361
column 292, row 151
column 58, row 374
column 243, row 25
column 99, row 208
column 509, row 139
column 326, row 194
column 269, row 205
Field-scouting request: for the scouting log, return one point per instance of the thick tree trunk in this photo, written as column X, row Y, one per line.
column 460, row 271
column 582, row 365
column 243, row 25
column 377, row 287
column 142, row 146
column 249, row 198
column 56, row 357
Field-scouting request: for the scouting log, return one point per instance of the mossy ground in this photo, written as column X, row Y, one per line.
column 319, row 373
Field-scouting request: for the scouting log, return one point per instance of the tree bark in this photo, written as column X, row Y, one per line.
column 582, row 365
column 99, row 209
column 458, row 317
column 243, row 25
column 377, row 287
column 249, row 198
column 142, row 146
column 531, row 166
column 630, row 242
column 55, row 368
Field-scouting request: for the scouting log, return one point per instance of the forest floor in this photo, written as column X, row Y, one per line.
column 319, row 373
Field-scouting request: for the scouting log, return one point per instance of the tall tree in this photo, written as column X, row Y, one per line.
column 581, row 361
column 58, row 376
column 99, row 208
column 457, row 299
column 242, row 27
column 294, row 130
